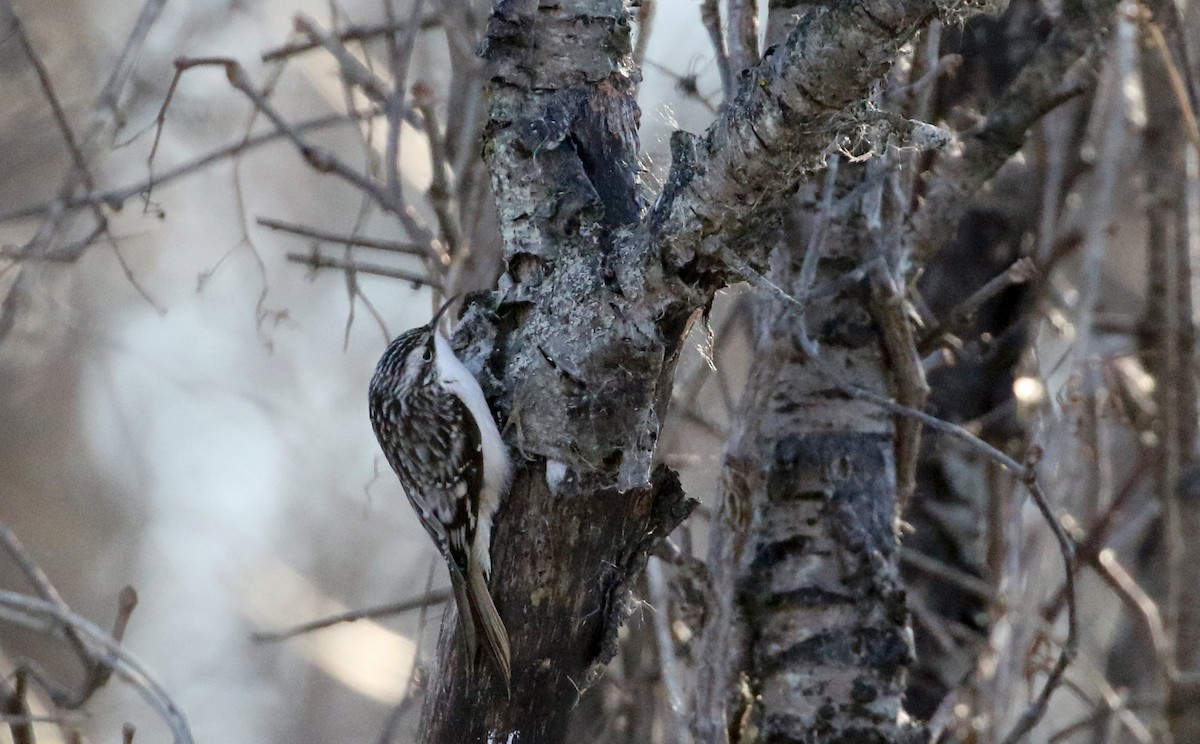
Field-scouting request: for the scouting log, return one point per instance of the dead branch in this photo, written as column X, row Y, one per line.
column 1022, row 271
column 395, row 608
column 18, row 608
column 100, row 652
column 314, row 260
column 408, row 249
column 659, row 592
column 350, row 33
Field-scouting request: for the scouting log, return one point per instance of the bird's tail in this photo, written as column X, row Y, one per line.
column 466, row 622
column 477, row 616
column 487, row 620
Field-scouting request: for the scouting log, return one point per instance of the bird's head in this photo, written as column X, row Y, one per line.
column 411, row 360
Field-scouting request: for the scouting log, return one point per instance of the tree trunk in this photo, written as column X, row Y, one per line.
column 578, row 557
column 577, row 348
column 826, row 620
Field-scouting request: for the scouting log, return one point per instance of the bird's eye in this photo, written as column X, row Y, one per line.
column 428, row 355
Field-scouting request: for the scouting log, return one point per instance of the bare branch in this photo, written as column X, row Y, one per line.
column 950, row 574
column 645, row 21
column 439, row 188
column 742, row 34
column 1022, row 271
column 350, row 33
column 111, row 92
column 660, row 601
column 315, row 260
column 15, row 607
column 908, row 376
column 1178, row 87
column 353, row 71
column 1063, row 67
column 321, row 159
column 779, row 128
column 428, row 599
column 14, row 710
column 56, row 108
column 710, row 15
column 408, row 249
column 116, row 197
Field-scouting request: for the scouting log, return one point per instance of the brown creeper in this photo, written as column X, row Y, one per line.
column 437, row 432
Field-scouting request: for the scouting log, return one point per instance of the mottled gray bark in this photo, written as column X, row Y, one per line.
column 808, row 639
column 807, row 535
column 577, row 348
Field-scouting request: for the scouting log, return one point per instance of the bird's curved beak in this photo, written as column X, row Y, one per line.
column 437, row 316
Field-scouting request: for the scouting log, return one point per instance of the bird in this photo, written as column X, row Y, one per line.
column 438, row 434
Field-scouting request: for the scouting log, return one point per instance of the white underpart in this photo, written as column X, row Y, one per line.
column 497, row 468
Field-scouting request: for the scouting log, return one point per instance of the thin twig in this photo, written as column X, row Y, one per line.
column 399, row 63
column 321, row 159
column 42, row 586
column 710, row 16
column 908, row 376
column 353, row 71
column 111, row 92
column 97, row 669
column 349, row 33
column 408, row 249
column 439, row 186
column 934, row 623
column 659, row 599
column 1178, row 87
column 26, row 719
column 950, row 574
column 1023, row 270
column 1138, row 602
column 56, row 107
column 409, row 696
column 687, row 84
column 315, row 260
column 816, row 240
column 1037, row 709
column 80, row 168
column 122, row 662
column 709, row 423
column 434, row 597
column 14, row 710
column 116, row 197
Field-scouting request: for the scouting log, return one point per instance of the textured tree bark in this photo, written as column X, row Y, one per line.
column 577, row 347
column 827, row 635
column 577, row 350
column 805, row 559
column 577, row 558
column 808, row 639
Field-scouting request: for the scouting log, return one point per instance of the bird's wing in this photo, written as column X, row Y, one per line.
column 438, row 456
